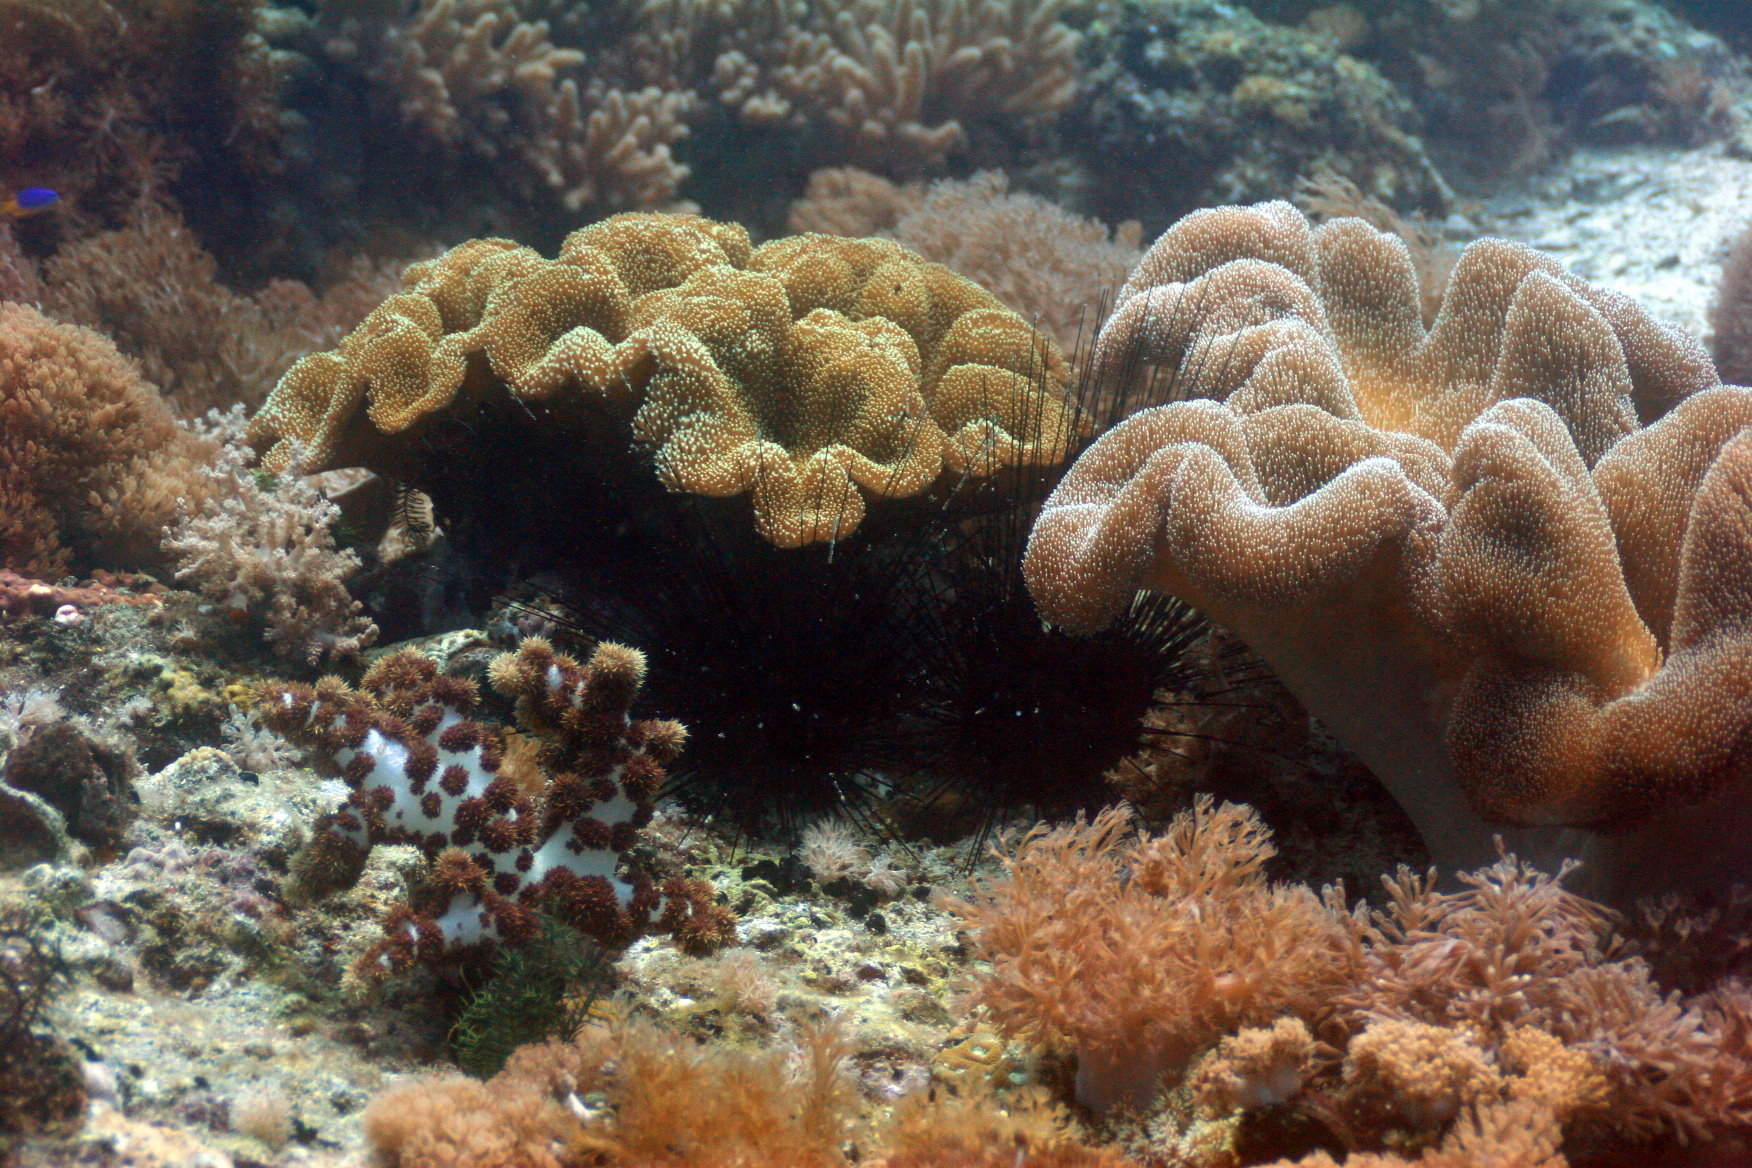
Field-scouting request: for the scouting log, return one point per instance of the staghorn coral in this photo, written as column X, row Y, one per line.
column 92, row 461
column 1137, row 951
column 1500, row 557
column 266, row 552
column 808, row 373
column 423, row 772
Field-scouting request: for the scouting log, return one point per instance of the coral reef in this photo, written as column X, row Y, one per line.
column 1104, row 942
column 1731, row 315
column 265, row 552
column 86, row 780
column 901, row 83
column 1053, row 268
column 1524, row 516
column 1434, row 1011
column 21, row 596
column 476, row 80
column 843, row 200
column 154, row 291
column 1191, row 102
column 665, row 1102
column 808, row 373
column 662, row 1100
column 39, row 1071
column 92, row 461
column 502, row 845
column 1504, row 84
column 111, row 101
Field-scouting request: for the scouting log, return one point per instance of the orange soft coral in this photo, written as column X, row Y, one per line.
column 92, row 461
column 665, row 1102
column 1138, row 951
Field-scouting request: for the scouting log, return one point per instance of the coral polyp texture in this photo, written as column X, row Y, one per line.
column 92, row 461
column 424, row 772
column 1506, row 556
column 809, row 373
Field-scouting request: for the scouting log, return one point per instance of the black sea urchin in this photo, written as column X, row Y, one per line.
column 902, row 668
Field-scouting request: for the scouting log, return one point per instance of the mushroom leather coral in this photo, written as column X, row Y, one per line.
column 1508, row 555
column 809, row 372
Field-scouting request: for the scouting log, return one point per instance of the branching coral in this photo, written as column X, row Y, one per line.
column 899, row 83
column 899, row 77
column 809, row 372
column 1139, row 951
column 92, row 461
column 478, row 79
column 1503, row 556
column 423, row 772
column 267, row 552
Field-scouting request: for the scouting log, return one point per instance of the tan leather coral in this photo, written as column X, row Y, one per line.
column 1509, row 556
column 811, row 372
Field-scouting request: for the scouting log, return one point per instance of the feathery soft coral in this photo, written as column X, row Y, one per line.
column 92, row 461
column 1138, row 951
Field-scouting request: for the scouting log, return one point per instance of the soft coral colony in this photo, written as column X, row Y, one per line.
column 1490, row 526
column 423, row 772
column 1530, row 510
column 1505, row 558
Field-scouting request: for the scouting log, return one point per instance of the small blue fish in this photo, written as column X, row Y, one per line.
column 29, row 201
